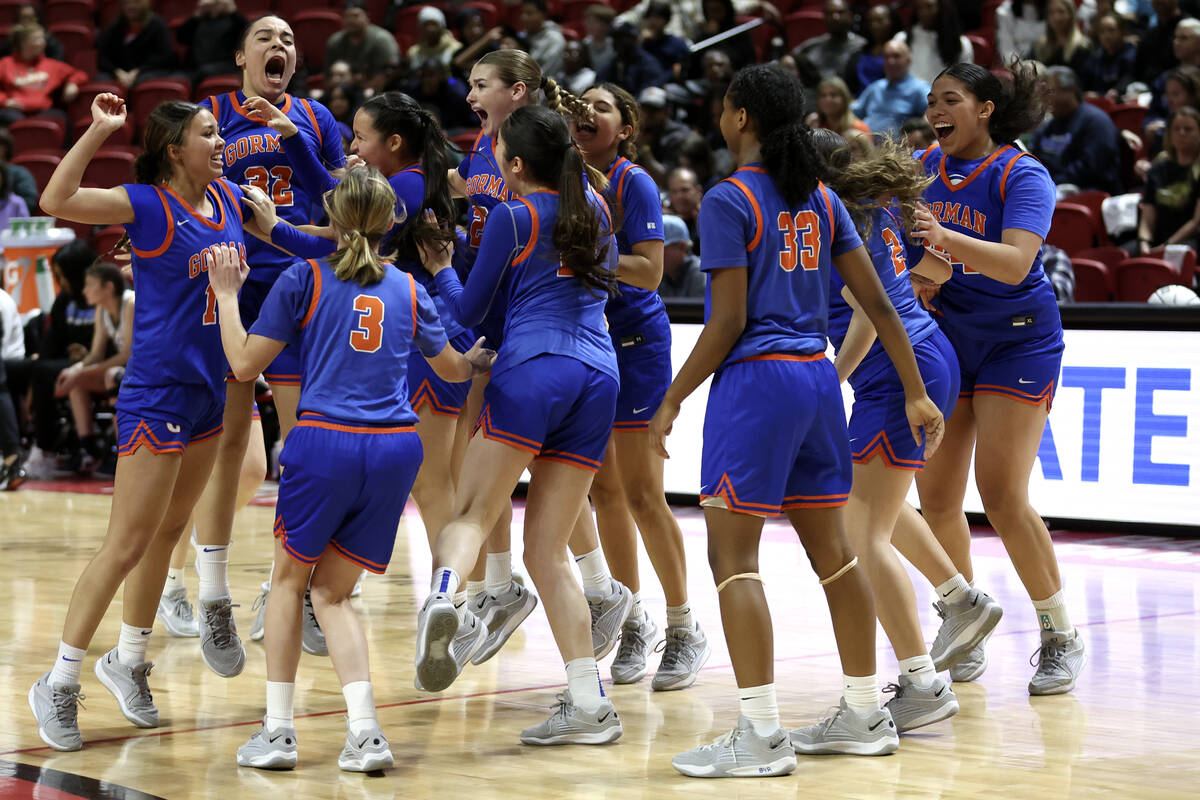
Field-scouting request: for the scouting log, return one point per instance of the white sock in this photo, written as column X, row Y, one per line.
column 360, row 706
column 460, row 604
column 1052, row 613
column 174, row 580
column 862, row 694
column 759, row 705
column 594, row 571
column 680, row 616
column 445, row 581
column 68, row 665
column 919, row 669
column 636, row 611
column 280, row 699
column 474, row 589
column 131, row 647
column 212, row 565
column 499, row 573
column 583, row 681
column 953, row 590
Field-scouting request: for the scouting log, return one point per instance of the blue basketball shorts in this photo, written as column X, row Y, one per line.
column 343, row 486
column 166, row 419
column 285, row 369
column 1025, row 370
column 426, row 388
column 555, row 407
column 775, row 437
column 645, row 378
column 878, row 424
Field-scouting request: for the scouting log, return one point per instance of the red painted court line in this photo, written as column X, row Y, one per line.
column 499, row 692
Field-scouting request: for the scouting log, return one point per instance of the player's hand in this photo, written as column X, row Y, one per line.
column 926, row 226
column 227, row 271
column 263, row 208
column 923, row 414
column 924, row 289
column 108, row 112
column 435, row 256
column 481, row 357
column 262, row 111
column 66, row 379
column 661, row 424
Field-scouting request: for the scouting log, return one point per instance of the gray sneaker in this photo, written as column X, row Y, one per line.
column 609, row 613
column 219, row 643
column 741, row 753
column 444, row 645
column 964, row 625
column 684, row 652
column 269, row 749
column 847, row 733
column 913, row 706
column 129, row 685
column 973, row 664
column 1059, row 661
column 259, row 628
column 366, row 753
column 177, row 614
column 56, row 709
column 571, row 725
column 502, row 614
column 637, row 637
column 312, row 638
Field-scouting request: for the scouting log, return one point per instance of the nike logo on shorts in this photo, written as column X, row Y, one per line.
column 641, row 410
column 1022, row 380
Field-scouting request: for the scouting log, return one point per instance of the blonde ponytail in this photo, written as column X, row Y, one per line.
column 362, row 209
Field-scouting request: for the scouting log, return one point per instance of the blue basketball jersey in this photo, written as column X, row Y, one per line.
column 981, row 198
column 176, row 339
column 254, row 155
column 354, row 340
column 788, row 253
column 485, row 185
column 886, row 246
column 547, row 310
column 634, row 195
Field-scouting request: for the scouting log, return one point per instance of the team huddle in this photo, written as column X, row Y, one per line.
column 407, row 357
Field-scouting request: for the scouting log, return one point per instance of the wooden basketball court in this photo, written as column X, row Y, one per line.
column 1128, row 731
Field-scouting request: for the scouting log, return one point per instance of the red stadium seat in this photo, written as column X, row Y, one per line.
column 251, row 9
column 1138, row 278
column 464, row 141
column 288, row 9
column 109, row 167
column 37, row 133
column 1101, row 102
column 1109, row 256
column 9, row 9
column 1129, row 117
column 82, row 12
column 83, row 231
column 105, row 238
column 170, row 9
column 801, row 26
column 573, row 10
column 145, row 97
column 1093, row 199
column 218, row 85
column 1072, row 228
column 40, row 165
column 85, row 60
column 1187, row 269
column 985, row 52
column 74, row 36
column 1093, row 281
column 489, row 12
column 313, row 29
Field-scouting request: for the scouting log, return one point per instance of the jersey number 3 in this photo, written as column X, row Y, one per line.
column 368, row 336
column 801, row 240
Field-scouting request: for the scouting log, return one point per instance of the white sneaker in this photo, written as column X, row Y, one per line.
column 609, row 612
column 569, row 724
column 177, row 614
column 847, row 733
column 367, row 752
column 741, row 753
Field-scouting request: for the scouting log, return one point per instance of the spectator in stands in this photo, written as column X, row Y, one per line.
column 935, row 39
column 968, row 13
column 1170, row 207
column 30, row 81
column 11, row 203
column 688, row 16
column 100, row 371
column 29, row 15
column 1019, row 24
column 719, row 17
column 684, row 192
column 577, row 73
column 447, row 97
column 1180, row 87
column 715, row 75
column 833, row 112
column 1156, row 53
column 436, row 41
column 544, row 37
column 1079, row 145
column 831, row 51
column 1061, row 44
column 338, row 73
column 671, row 51
column 598, row 23
column 477, row 41
column 681, row 275
column 709, row 164
column 661, row 133
column 917, row 134
column 1186, row 46
column 211, row 35
column 881, row 25
column 137, row 46
column 15, row 176
column 12, row 349
column 898, row 95
column 1058, row 268
column 343, row 100
column 371, row 51
column 632, row 67
column 1111, row 66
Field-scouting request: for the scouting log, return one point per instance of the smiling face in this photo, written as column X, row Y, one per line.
column 957, row 117
column 491, row 99
column 267, row 58
column 372, row 146
column 199, row 154
column 607, row 130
